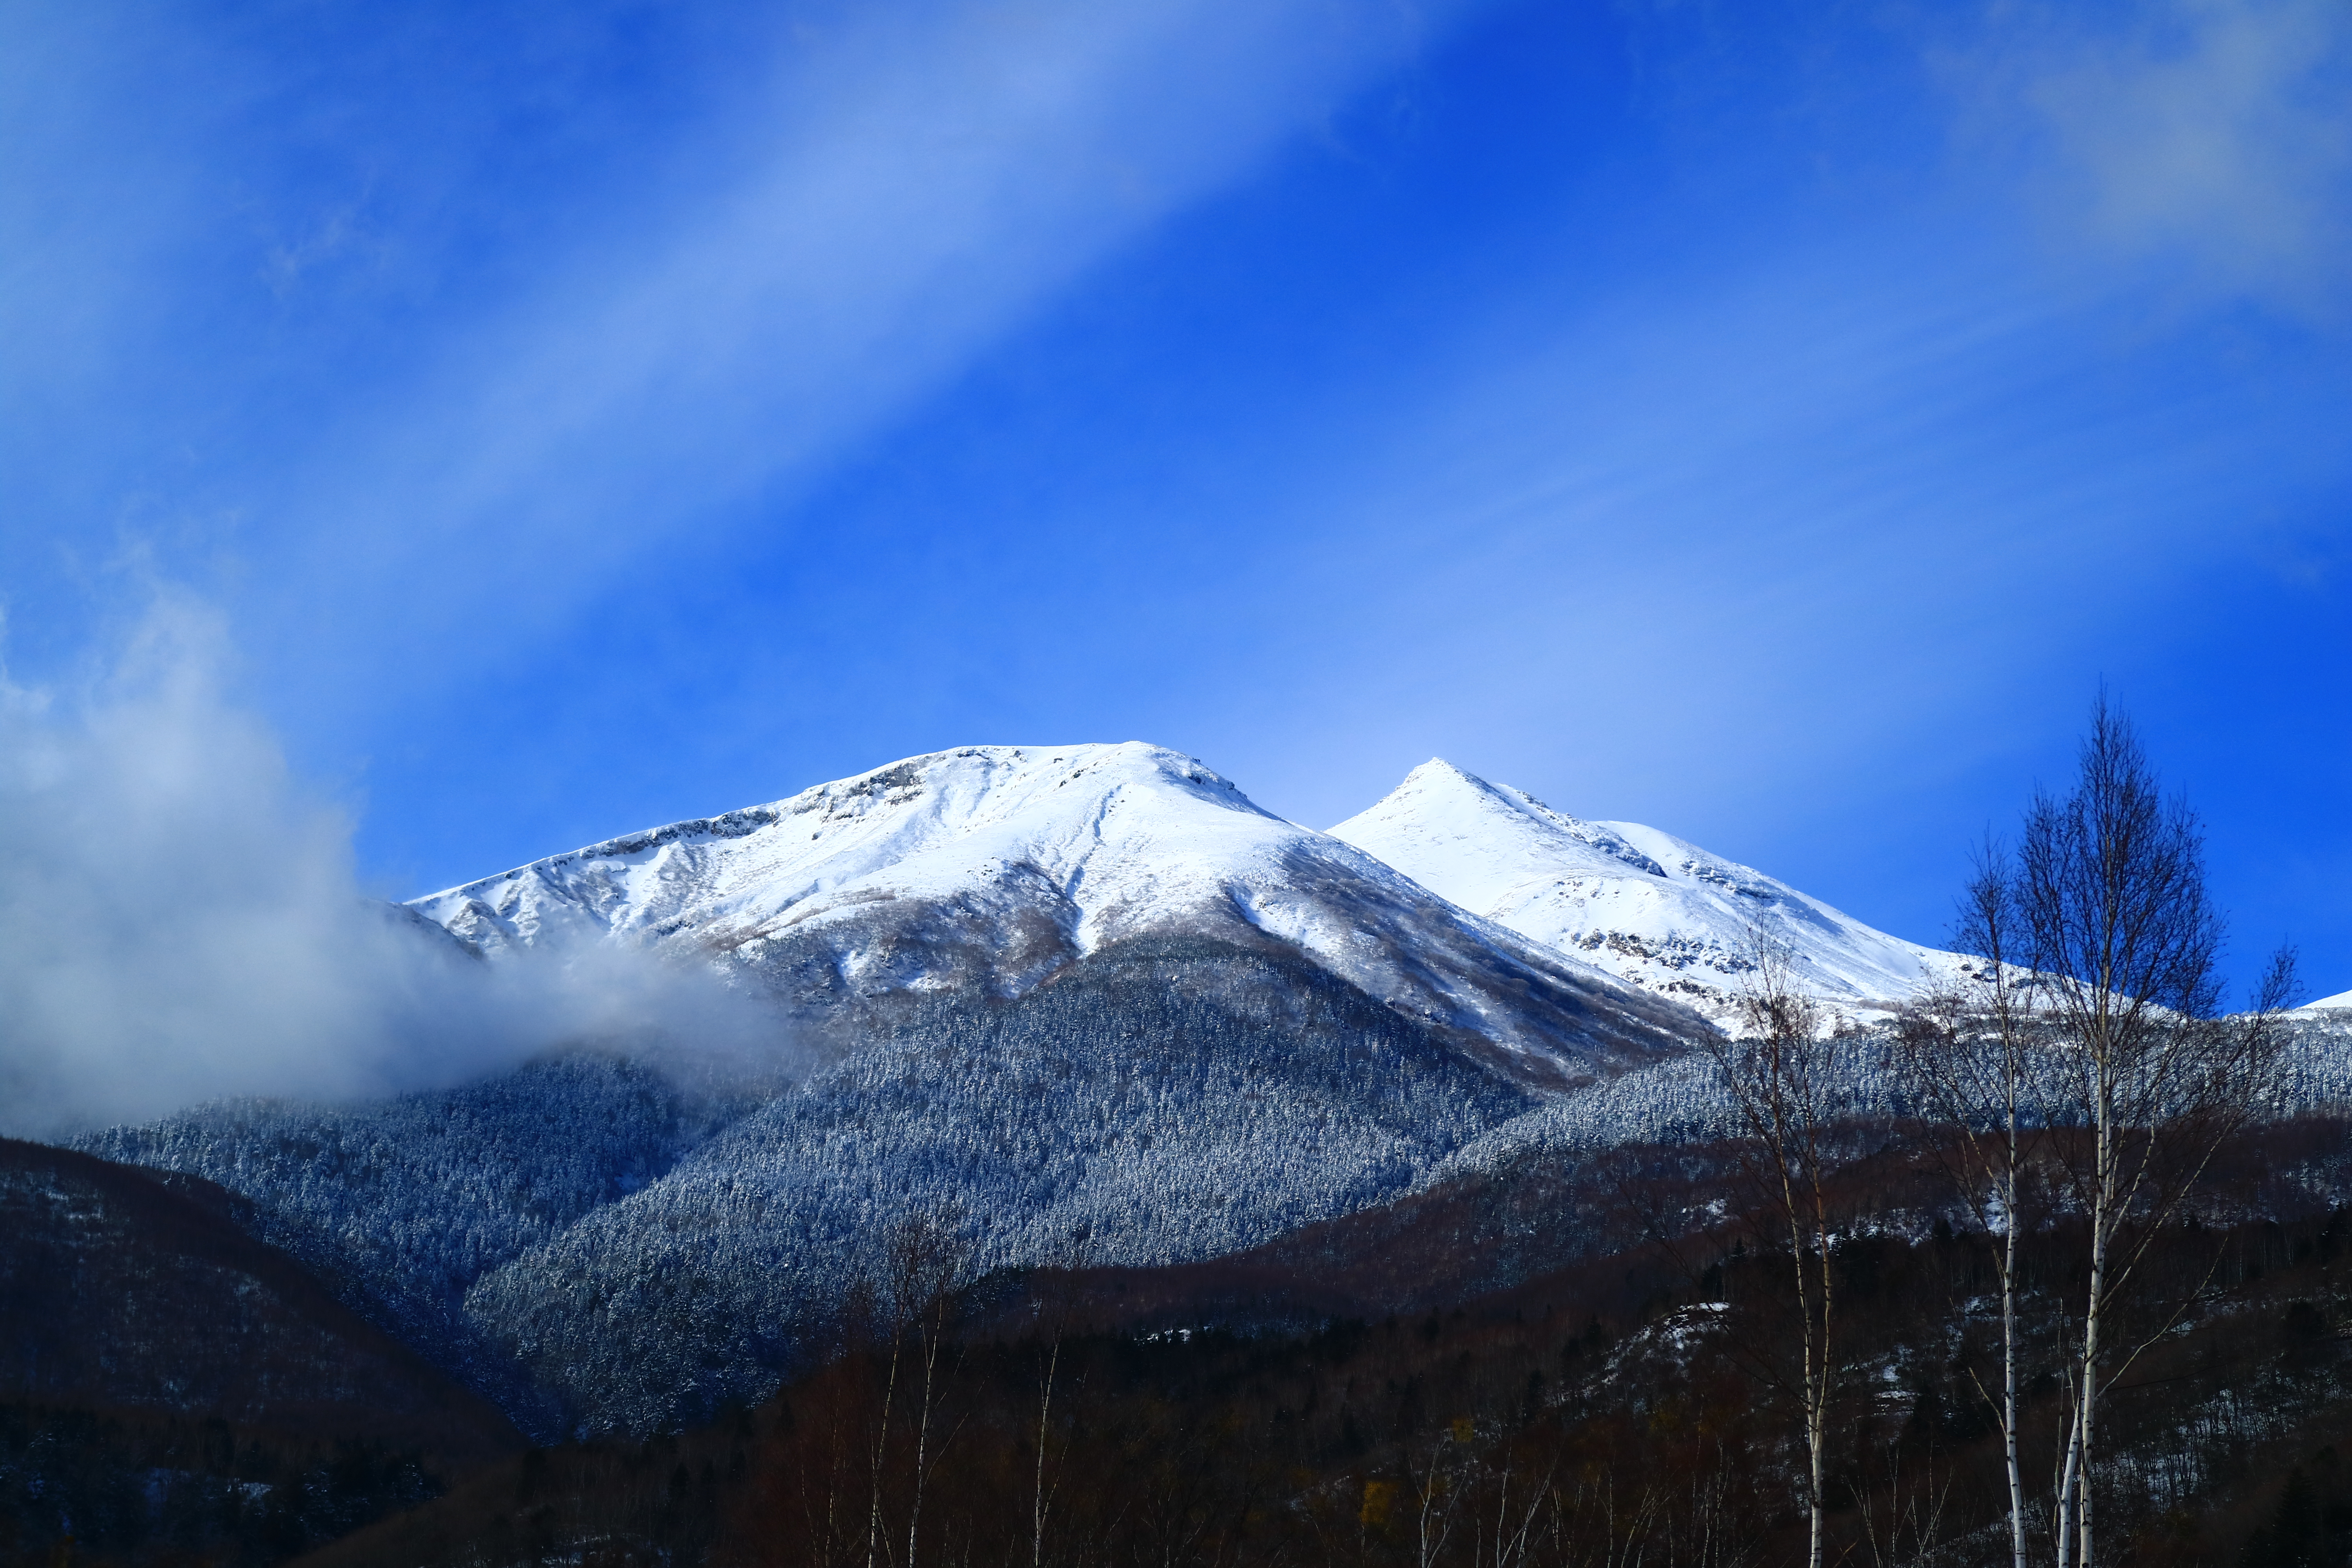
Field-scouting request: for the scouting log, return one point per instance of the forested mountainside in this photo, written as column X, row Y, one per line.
column 172, row 1387
column 598, row 1251
column 404, row 1202
column 985, row 870
column 1680, row 1099
column 1166, row 1100
column 1634, row 1405
column 1655, row 909
column 549, row 1235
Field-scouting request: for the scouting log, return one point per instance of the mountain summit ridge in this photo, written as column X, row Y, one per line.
column 1657, row 910
column 986, row 870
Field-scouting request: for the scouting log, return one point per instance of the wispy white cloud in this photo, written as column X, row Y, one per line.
column 2216, row 134
column 912, row 183
column 180, row 920
column 373, row 382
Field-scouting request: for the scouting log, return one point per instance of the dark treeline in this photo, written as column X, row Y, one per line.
column 1638, row 1407
column 78, row 1486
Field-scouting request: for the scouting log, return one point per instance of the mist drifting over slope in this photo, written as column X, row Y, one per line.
column 180, row 920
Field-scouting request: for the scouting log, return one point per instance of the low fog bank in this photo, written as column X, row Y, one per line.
column 180, row 920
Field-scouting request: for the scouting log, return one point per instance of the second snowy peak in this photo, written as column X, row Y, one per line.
column 1654, row 910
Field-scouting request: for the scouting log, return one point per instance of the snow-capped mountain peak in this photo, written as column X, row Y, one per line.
column 1487, row 835
column 927, row 821
column 989, row 868
column 1655, row 909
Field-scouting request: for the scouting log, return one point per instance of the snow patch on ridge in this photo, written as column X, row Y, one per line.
column 1655, row 909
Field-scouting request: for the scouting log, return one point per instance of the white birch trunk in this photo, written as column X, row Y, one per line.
column 2009, row 1355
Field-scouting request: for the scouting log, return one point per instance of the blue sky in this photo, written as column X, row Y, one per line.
column 1767, row 421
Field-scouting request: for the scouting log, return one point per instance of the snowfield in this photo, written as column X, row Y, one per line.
column 1654, row 910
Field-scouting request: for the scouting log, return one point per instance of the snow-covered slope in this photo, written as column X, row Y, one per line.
column 1644, row 905
column 2341, row 1000
column 987, row 870
column 1166, row 1100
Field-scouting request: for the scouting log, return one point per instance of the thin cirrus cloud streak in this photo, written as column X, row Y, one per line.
column 927, row 185
column 181, row 921
column 2217, row 134
column 1863, row 474
column 1859, row 494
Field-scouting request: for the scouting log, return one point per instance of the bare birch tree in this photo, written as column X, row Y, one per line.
column 880, row 1310
column 1053, row 1315
column 1776, row 1074
column 1963, row 1055
column 2123, row 945
column 927, row 1257
column 924, row 1259
column 1436, row 1490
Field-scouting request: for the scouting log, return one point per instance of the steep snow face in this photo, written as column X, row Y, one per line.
column 2342, row 999
column 989, row 868
column 1644, row 905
